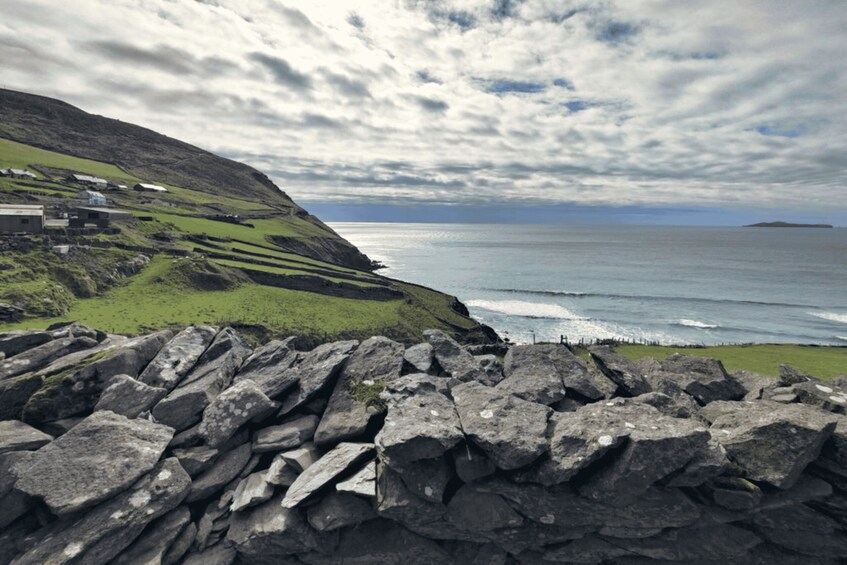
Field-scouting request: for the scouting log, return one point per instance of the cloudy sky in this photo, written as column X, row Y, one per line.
column 542, row 104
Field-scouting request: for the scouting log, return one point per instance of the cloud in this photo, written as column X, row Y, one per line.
column 533, row 102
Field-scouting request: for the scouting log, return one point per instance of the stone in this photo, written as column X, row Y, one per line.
column 75, row 391
column 419, row 426
column 415, row 384
column 715, row 543
column 157, row 538
column 656, row 446
column 511, row 431
column 180, row 545
column 476, row 511
column 419, row 357
column 801, row 529
column 395, row 501
column 271, row 530
column 735, row 493
column 704, row 379
column 252, row 490
column 103, row 532
column 427, row 478
column 460, row 364
column 362, row 483
column 706, row 464
column 280, row 473
column 268, row 365
column 772, row 442
column 177, row 357
column 219, row 554
column 288, row 435
column 74, row 329
column 15, row 393
column 225, row 469
column 491, row 366
column 753, row 383
column 39, row 357
column 301, row 458
column 825, row 396
column 12, row 343
column 619, row 369
column 531, row 374
column 381, row 542
column 375, row 362
column 196, row 459
column 128, row 397
column 471, row 463
column 339, row 510
column 327, row 469
column 233, row 408
column 13, row 505
column 212, row 373
column 7, row 462
column 316, row 371
column 788, row 375
column 58, row 428
column 17, row 436
column 97, row 459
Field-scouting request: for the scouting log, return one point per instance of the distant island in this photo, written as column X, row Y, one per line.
column 786, row 225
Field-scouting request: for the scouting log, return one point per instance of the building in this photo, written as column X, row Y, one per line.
column 100, row 217
column 21, row 218
column 92, row 197
column 4, row 172
column 115, row 186
column 146, row 187
column 87, row 180
column 21, row 174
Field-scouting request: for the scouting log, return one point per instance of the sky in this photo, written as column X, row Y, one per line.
column 699, row 111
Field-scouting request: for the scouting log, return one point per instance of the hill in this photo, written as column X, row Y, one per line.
column 786, row 225
column 222, row 245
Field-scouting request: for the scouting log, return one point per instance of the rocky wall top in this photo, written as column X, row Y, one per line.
column 193, row 448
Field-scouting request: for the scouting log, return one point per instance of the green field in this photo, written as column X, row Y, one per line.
column 824, row 363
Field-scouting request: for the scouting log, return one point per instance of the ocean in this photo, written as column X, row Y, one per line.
column 672, row 285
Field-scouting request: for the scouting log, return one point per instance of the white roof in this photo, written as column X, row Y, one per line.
column 148, row 186
column 89, row 178
column 20, row 172
column 90, row 194
column 21, row 210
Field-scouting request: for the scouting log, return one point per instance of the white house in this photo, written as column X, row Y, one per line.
column 92, row 197
column 147, row 187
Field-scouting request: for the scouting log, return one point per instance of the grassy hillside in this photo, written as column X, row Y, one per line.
column 205, row 265
column 823, row 362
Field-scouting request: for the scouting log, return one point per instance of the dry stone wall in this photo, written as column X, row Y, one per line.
column 193, row 448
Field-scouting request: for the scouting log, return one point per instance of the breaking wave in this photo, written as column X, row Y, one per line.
column 697, row 324
column 525, row 309
column 831, row 316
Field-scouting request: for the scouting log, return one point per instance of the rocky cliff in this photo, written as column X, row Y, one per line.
column 193, row 448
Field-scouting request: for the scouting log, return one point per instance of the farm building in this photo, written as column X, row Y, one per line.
column 4, row 172
column 18, row 218
column 92, row 197
column 87, row 180
column 147, row 187
column 21, row 174
column 100, row 217
column 116, row 186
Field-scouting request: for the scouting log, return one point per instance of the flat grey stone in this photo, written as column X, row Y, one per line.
column 252, row 490
column 620, row 370
column 315, row 371
column 226, row 468
column 154, row 543
column 362, row 483
column 375, row 362
column 42, row 355
column 339, row 510
column 419, row 357
column 268, row 365
column 301, row 458
column 17, row 436
column 773, row 442
column 103, row 532
column 326, row 470
column 454, row 360
column 531, row 374
column 472, row 464
column 288, row 435
column 211, row 375
column 511, row 431
column 233, row 408
column 97, row 459
column 128, row 397
column 476, row 511
column 14, row 342
column 704, row 379
column 196, row 459
column 419, row 426
column 281, row 473
column 177, row 357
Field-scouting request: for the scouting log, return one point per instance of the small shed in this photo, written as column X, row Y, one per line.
column 115, row 186
column 87, row 180
column 21, row 218
column 4, row 172
column 100, row 217
column 22, row 174
column 147, row 187
column 92, row 197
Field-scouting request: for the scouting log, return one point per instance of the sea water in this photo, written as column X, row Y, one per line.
column 672, row 285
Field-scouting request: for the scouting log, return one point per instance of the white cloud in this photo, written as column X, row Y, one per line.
column 698, row 102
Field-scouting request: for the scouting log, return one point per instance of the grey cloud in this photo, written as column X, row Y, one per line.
column 162, row 57
column 282, row 71
column 432, row 104
column 351, row 88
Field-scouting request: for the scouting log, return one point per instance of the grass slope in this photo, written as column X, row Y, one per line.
column 822, row 362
